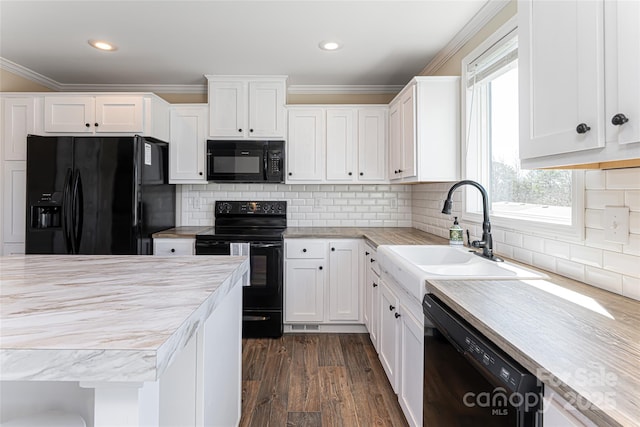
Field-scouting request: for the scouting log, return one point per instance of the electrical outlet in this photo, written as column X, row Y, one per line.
column 616, row 224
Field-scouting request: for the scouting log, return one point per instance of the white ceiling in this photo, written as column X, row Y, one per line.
column 177, row 42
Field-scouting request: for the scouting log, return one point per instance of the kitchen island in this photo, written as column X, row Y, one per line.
column 122, row 340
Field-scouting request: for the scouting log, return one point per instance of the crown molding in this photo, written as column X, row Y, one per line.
column 480, row 19
column 159, row 88
column 26, row 73
column 343, row 89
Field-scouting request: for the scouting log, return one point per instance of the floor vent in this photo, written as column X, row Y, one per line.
column 305, row 327
column 297, row 327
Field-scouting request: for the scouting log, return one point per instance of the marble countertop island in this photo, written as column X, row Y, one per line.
column 104, row 318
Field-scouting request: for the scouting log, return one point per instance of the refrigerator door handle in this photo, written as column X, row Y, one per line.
column 137, row 149
column 67, row 217
column 78, row 210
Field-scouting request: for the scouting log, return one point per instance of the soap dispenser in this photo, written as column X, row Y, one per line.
column 455, row 233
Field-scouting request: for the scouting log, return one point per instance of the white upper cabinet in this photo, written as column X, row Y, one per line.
column 424, row 136
column 17, row 122
column 247, row 107
column 579, row 63
column 93, row 114
column 187, row 148
column 345, row 144
column 305, row 145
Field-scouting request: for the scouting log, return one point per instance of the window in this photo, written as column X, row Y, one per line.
column 540, row 200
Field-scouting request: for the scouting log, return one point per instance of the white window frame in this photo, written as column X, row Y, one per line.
column 471, row 197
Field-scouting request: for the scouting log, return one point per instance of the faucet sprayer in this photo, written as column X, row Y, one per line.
column 487, row 241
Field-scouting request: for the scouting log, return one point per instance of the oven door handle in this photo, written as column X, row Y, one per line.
column 266, row 245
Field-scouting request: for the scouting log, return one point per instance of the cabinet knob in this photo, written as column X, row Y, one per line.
column 366, row 253
column 172, row 250
column 397, row 315
column 361, row 173
column 250, row 130
column 391, row 308
column 399, row 170
column 333, row 249
column 350, row 173
column 290, row 173
column 96, row 124
column 374, row 284
column 239, row 130
column 87, row 125
column 582, row 128
column 304, row 250
column 320, row 268
column 395, row 171
column 619, row 119
column 200, row 173
column 372, row 260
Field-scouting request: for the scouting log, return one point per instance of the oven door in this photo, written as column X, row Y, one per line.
column 240, row 161
column 266, row 263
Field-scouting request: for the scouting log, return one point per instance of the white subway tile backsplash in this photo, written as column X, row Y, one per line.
column 633, row 247
column 595, row 180
column 586, row 255
column 545, row 262
column 594, row 218
column 595, row 239
column 573, row 270
column 604, row 279
column 632, row 200
column 621, row 263
column 556, row 248
column 598, row 199
column 523, row 255
column 623, row 178
column 533, row 243
column 631, row 287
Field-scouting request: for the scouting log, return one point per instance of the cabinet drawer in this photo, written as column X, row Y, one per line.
column 165, row 247
column 304, row 248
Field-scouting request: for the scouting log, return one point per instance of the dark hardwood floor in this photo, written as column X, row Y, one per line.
column 316, row 380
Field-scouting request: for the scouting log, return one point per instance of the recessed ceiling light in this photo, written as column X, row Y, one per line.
column 330, row 45
column 102, row 45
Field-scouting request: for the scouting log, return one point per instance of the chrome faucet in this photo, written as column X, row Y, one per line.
column 486, row 244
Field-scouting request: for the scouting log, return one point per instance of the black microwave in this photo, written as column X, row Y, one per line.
column 245, row 161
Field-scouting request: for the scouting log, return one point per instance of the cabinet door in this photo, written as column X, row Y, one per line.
column 227, row 109
column 14, row 191
column 389, row 342
column 372, row 144
column 305, row 145
column 266, row 109
column 395, row 141
column 371, row 299
column 622, row 50
column 344, row 280
column 341, row 143
column 187, row 147
column 304, row 290
column 561, row 77
column 408, row 130
column 119, row 114
column 17, row 123
column 69, row 114
column 411, row 367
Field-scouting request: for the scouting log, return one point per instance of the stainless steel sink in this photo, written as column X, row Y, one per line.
column 412, row 265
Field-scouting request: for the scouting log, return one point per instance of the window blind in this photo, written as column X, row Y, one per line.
column 497, row 58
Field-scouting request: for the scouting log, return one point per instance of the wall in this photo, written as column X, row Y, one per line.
column 10, row 82
column 308, row 205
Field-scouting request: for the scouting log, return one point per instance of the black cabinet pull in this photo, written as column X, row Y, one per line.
column 372, row 260
column 397, row 315
column 320, row 268
column 239, row 130
column 172, row 250
column 304, row 250
column 250, row 130
column 374, row 284
column 87, row 125
column 333, row 249
column 96, row 124
column 350, row 173
column 399, row 170
column 361, row 173
column 619, row 119
column 391, row 308
column 290, row 173
column 366, row 253
column 200, row 173
column 582, row 128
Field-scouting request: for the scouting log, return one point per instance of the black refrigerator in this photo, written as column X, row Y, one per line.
column 96, row 195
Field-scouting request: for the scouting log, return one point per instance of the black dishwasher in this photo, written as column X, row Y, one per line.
column 468, row 380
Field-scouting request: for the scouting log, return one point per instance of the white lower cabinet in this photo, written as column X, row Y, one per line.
column 322, row 281
column 560, row 413
column 389, row 334
column 370, row 312
column 174, row 246
column 401, row 347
